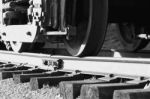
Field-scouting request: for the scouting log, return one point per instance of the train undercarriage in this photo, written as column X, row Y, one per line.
column 80, row 24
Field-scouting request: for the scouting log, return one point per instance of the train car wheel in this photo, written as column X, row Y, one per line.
column 25, row 47
column 87, row 28
column 20, row 46
column 128, row 36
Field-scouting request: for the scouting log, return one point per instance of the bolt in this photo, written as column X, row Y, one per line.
column 36, row 13
column 4, row 34
column 60, row 64
column 45, row 62
column 29, row 33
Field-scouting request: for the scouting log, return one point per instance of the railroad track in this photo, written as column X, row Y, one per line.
column 87, row 78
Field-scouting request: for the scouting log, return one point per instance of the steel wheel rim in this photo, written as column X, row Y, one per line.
column 77, row 43
column 78, row 46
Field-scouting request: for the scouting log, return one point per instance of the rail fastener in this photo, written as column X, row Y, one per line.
column 55, row 64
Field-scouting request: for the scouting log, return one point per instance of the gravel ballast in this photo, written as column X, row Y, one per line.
column 9, row 90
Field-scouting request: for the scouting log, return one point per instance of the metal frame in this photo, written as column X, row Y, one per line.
column 21, row 33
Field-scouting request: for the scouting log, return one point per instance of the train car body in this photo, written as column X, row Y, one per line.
column 79, row 24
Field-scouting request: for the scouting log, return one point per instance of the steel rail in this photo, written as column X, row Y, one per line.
column 110, row 65
column 29, row 59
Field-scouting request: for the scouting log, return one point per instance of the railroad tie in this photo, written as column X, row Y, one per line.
column 38, row 82
column 105, row 91
column 132, row 94
column 14, row 68
column 22, row 78
column 9, row 74
column 71, row 89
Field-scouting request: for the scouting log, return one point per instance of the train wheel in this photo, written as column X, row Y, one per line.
column 128, row 36
column 20, row 46
column 87, row 28
column 25, row 47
